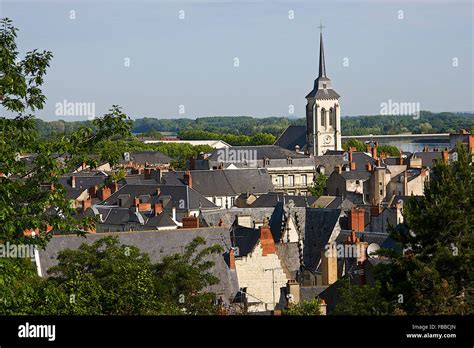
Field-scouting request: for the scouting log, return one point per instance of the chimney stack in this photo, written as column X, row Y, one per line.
column 329, row 265
column 232, row 259
column 374, row 150
column 293, row 289
column 104, row 193
column 350, row 153
column 188, row 179
column 400, row 158
column 190, row 222
column 445, row 155
column 158, row 208
column 353, row 166
column 356, row 221
column 266, row 240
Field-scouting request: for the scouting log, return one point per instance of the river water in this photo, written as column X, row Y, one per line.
column 418, row 146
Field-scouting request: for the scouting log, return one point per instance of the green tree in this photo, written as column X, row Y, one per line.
column 108, row 278
column 357, row 144
column 26, row 202
column 435, row 275
column 309, row 307
column 180, row 278
column 390, row 150
column 361, row 300
column 152, row 133
column 318, row 186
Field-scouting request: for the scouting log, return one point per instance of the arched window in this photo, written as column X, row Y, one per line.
column 331, row 117
column 323, row 117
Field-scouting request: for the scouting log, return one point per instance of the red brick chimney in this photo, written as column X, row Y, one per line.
column 104, row 193
column 113, row 187
column 470, row 143
column 190, row 222
column 158, row 208
column 232, row 258
column 445, row 155
column 400, row 158
column 374, row 151
column 266, row 240
column 353, row 166
column 93, row 191
column 356, row 219
column 188, row 179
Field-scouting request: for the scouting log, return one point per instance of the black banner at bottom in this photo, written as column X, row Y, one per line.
column 238, row 330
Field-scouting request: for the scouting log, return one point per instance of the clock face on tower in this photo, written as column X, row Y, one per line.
column 327, row 139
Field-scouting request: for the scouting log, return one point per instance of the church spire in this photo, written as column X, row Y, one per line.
column 322, row 63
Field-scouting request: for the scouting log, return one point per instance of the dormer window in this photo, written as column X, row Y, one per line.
column 324, row 85
column 267, row 161
column 289, row 160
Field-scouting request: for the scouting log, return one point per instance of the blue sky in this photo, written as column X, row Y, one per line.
column 190, row 61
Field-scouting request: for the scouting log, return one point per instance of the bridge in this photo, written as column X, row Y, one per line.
column 400, row 137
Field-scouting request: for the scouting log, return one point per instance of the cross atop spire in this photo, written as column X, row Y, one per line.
column 321, row 26
column 322, row 63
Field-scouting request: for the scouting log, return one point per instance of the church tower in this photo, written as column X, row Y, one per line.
column 323, row 114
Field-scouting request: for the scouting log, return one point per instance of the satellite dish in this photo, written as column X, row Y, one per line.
column 126, row 156
column 400, row 202
column 373, row 248
column 345, row 156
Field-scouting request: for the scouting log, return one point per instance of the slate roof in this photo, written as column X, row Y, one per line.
column 368, row 236
column 212, row 217
column 319, row 226
column 428, row 158
column 157, row 245
column 73, row 194
column 356, row 175
column 121, row 216
column 327, row 93
column 292, row 136
column 411, row 174
column 245, row 239
column 289, row 255
column 329, row 162
column 178, row 194
column 327, row 202
column 394, row 161
column 224, row 182
column 272, row 198
column 83, row 181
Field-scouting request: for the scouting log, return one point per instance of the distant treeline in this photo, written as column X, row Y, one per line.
column 428, row 122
